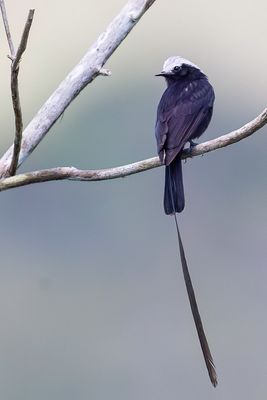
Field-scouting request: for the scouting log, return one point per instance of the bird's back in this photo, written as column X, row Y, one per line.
column 184, row 113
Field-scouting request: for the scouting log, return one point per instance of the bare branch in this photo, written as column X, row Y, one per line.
column 24, row 40
column 85, row 71
column 15, row 94
column 230, row 138
column 71, row 173
column 8, row 34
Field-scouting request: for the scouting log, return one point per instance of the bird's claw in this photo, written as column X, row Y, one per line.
column 192, row 144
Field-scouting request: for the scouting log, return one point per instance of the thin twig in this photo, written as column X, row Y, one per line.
column 83, row 73
column 71, row 173
column 15, row 94
column 24, row 39
column 8, row 34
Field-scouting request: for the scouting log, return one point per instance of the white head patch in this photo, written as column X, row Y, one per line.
column 171, row 62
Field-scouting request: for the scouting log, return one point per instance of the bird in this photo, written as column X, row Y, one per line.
column 183, row 114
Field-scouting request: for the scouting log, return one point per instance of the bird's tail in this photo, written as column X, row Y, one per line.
column 196, row 315
column 174, row 188
column 174, row 202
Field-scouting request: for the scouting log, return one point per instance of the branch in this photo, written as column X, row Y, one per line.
column 85, row 71
column 24, row 40
column 8, row 34
column 230, row 138
column 15, row 94
column 71, row 173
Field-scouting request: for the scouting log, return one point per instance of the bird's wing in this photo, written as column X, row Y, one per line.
column 182, row 115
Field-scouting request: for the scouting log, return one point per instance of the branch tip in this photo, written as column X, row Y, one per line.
column 104, row 72
column 6, row 25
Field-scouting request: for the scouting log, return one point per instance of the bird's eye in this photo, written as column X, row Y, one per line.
column 176, row 68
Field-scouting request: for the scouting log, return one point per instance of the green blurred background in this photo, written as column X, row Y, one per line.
column 92, row 299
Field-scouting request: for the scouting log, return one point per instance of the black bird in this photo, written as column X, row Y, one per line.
column 184, row 113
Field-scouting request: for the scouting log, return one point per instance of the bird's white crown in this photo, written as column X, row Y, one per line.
column 174, row 61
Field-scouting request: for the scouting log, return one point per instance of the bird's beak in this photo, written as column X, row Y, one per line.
column 161, row 74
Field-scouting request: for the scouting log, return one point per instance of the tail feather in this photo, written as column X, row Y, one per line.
column 196, row 315
column 174, row 187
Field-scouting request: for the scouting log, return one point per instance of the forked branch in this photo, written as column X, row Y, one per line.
column 15, row 94
column 15, row 57
column 90, row 66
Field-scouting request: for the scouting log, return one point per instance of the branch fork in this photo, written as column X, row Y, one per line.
column 15, row 58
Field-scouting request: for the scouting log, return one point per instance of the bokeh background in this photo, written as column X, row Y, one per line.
column 92, row 299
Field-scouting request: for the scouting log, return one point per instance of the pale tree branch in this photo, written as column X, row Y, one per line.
column 229, row 138
column 15, row 94
column 71, row 173
column 8, row 34
column 83, row 73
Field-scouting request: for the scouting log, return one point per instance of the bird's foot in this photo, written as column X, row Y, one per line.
column 192, row 144
column 187, row 151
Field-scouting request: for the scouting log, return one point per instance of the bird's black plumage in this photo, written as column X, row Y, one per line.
column 184, row 113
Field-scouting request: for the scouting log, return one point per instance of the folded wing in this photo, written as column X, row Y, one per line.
column 183, row 114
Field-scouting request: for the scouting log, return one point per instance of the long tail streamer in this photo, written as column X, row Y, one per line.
column 193, row 303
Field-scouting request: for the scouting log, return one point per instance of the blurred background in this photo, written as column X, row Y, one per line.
column 92, row 299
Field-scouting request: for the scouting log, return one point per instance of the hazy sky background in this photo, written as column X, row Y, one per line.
column 92, row 299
